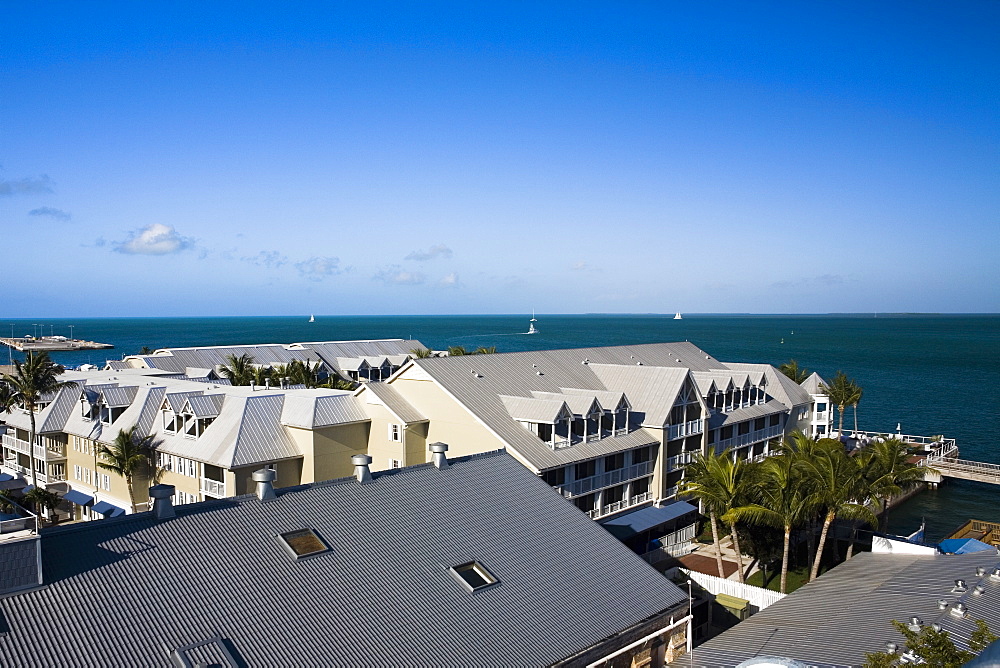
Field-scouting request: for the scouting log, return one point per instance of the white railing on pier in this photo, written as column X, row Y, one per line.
column 961, row 464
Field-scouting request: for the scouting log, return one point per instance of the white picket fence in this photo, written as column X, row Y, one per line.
column 759, row 597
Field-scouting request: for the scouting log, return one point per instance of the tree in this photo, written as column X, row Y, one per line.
column 422, row 353
column 934, row 646
column 481, row 350
column 887, row 467
column 145, row 350
column 856, row 394
column 128, row 455
column 835, row 482
column 6, row 500
column 792, row 370
column 782, row 501
column 42, row 499
column 720, row 484
column 841, row 392
column 457, row 350
column 32, row 381
column 239, row 370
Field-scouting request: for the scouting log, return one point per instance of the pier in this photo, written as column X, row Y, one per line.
column 952, row 467
column 52, row 344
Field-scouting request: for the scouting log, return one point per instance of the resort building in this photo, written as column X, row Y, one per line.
column 610, row 428
column 472, row 561
column 821, row 425
column 360, row 361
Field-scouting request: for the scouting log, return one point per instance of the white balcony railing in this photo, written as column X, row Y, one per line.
column 689, row 428
column 617, row 506
column 586, row 485
column 57, row 451
column 746, row 439
column 213, row 487
column 680, row 460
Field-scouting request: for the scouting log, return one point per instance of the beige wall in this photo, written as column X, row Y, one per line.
column 84, row 457
column 289, row 474
column 333, row 448
column 450, row 422
column 381, row 448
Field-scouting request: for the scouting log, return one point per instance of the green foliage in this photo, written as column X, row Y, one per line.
column 457, row 350
column 239, row 370
column 792, row 370
column 935, row 647
column 481, row 350
column 41, row 498
column 145, row 350
column 842, row 392
column 422, row 353
column 128, row 456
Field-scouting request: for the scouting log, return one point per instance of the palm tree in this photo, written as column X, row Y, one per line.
column 457, row 350
column 856, row 394
column 481, row 350
column 31, row 381
column 720, row 484
column 841, row 391
column 42, row 499
column 260, row 375
column 782, row 501
column 792, row 370
column 835, row 482
column 889, row 472
column 127, row 456
column 239, row 370
column 421, row 353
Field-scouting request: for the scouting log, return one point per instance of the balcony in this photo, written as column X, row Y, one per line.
column 746, row 439
column 57, row 451
column 43, row 479
column 689, row 428
column 618, row 506
column 213, row 488
column 608, row 479
column 680, row 460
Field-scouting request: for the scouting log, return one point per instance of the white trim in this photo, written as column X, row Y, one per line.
column 679, row 622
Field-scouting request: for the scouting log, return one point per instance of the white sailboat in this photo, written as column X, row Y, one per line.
column 312, row 318
column 677, row 316
column 531, row 325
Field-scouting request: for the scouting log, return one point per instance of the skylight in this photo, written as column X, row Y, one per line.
column 473, row 575
column 302, row 543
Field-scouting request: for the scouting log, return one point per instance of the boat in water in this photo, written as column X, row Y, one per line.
column 677, row 316
column 312, row 318
column 531, row 325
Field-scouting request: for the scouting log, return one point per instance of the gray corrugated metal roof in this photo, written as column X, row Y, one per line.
column 813, row 383
column 392, row 400
column 535, row 410
column 322, row 411
column 217, row 569
column 836, row 619
column 206, row 405
column 610, row 400
column 651, row 390
column 779, row 385
column 176, row 400
column 769, row 407
column 579, row 404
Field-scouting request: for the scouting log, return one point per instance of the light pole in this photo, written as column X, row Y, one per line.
column 71, row 333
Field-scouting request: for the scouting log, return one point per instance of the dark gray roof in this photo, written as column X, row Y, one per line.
column 836, row 619
column 131, row 591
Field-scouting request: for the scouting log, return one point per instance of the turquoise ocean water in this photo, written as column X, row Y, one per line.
column 931, row 374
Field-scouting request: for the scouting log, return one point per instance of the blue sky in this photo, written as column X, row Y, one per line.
column 241, row 158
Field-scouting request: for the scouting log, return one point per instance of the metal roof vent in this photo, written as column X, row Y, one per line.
column 980, row 571
column 265, row 487
column 959, row 587
column 267, row 383
column 995, row 575
column 361, row 470
column 439, row 458
column 979, row 590
column 937, row 627
column 539, row 373
column 942, row 604
column 163, row 507
column 638, row 363
column 915, row 624
column 891, row 647
column 253, row 386
column 959, row 609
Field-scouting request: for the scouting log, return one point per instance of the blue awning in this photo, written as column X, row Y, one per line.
column 79, row 498
column 964, row 546
column 4, row 477
column 627, row 525
column 108, row 510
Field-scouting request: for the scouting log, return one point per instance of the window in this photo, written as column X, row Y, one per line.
column 640, row 455
column 77, row 472
column 473, row 575
column 555, row 477
column 105, row 482
column 614, row 494
column 302, row 543
column 584, row 470
column 821, row 429
column 395, row 433
column 820, row 408
column 640, row 486
column 614, row 462
column 774, row 420
column 395, row 464
column 86, row 475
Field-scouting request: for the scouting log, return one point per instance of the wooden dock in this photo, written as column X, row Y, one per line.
column 952, row 467
column 49, row 344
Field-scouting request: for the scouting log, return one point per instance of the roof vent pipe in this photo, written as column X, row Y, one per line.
column 267, row 383
column 959, row 585
column 915, row 624
column 979, row 590
column 163, row 507
column 265, row 484
column 891, row 647
column 439, row 459
column 995, row 575
column 959, row 609
column 980, row 571
column 361, row 470
column 942, row 604
column 253, row 387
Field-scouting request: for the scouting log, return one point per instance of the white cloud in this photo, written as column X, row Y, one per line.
column 449, row 281
column 396, row 275
column 440, row 250
column 51, row 212
column 275, row 260
column 318, row 268
column 155, row 239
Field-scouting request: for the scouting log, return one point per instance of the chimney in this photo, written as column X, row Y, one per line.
column 439, row 458
column 253, row 386
column 267, row 383
column 264, row 478
column 163, row 507
column 361, row 470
